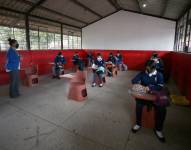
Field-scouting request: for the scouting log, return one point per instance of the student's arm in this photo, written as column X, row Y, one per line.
column 137, row 79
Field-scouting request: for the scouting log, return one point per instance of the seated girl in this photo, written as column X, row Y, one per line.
column 153, row 81
column 111, row 62
column 98, row 70
column 119, row 60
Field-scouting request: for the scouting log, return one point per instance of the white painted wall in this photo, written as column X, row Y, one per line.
column 129, row 31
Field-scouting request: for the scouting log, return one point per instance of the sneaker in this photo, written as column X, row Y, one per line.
column 135, row 128
column 101, row 85
column 160, row 136
column 93, row 84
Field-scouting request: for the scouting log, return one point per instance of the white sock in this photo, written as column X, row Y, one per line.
column 136, row 127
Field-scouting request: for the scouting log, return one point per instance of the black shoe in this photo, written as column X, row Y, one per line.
column 15, row 96
column 58, row 77
column 161, row 139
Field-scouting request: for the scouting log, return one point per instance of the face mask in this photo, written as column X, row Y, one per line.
column 99, row 59
column 17, row 45
column 154, row 72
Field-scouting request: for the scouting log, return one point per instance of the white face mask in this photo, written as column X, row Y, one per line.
column 99, row 59
column 154, row 72
column 156, row 60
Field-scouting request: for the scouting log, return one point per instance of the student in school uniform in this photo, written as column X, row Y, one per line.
column 12, row 67
column 119, row 60
column 98, row 70
column 158, row 62
column 59, row 62
column 90, row 58
column 75, row 58
column 111, row 59
column 152, row 80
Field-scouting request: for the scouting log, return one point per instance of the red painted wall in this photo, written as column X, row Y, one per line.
column 176, row 64
column 135, row 59
column 40, row 57
column 181, row 72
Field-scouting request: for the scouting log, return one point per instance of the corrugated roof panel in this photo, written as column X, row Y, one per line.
column 176, row 7
column 128, row 4
column 47, row 14
column 102, row 7
column 15, row 4
column 71, row 9
column 154, row 7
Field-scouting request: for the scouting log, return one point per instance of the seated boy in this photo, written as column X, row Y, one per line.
column 58, row 68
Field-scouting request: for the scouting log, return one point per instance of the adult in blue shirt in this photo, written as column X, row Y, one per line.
column 59, row 61
column 13, row 66
column 98, row 70
column 153, row 81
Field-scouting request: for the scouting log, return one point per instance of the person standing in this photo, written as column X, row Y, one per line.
column 12, row 67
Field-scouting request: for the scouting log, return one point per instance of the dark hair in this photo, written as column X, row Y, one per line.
column 98, row 54
column 11, row 41
column 155, row 55
column 59, row 53
column 151, row 64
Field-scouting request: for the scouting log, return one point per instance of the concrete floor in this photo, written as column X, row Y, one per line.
column 44, row 119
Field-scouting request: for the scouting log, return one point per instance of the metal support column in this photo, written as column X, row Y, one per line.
column 61, row 36
column 27, row 32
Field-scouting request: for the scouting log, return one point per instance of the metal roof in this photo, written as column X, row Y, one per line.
column 77, row 14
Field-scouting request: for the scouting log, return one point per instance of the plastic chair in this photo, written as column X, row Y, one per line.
column 148, row 117
column 32, row 78
column 77, row 89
